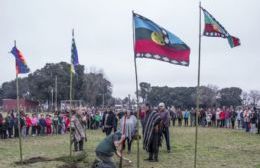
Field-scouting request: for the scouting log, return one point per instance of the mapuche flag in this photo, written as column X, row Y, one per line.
column 155, row 42
column 74, row 56
column 214, row 29
column 21, row 66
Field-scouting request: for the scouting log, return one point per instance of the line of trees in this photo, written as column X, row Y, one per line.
column 92, row 87
column 185, row 97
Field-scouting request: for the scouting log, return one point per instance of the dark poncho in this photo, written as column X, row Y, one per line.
column 151, row 120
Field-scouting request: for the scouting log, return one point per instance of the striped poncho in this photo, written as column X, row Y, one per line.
column 151, row 120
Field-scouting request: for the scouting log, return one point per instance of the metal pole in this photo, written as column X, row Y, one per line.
column 56, row 92
column 198, row 94
column 137, row 96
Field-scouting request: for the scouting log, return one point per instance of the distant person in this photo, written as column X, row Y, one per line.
column 173, row 115
column 48, row 121
column 108, row 121
column 186, row 118
column 258, row 122
column 246, row 117
column 192, row 117
column 42, row 125
column 239, row 111
column 179, row 117
column 34, row 125
column 233, row 116
column 28, row 124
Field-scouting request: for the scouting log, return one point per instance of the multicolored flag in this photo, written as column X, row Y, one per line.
column 21, row 66
column 214, row 29
column 154, row 42
column 74, row 56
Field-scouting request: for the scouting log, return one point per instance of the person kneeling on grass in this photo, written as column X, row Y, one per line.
column 106, row 149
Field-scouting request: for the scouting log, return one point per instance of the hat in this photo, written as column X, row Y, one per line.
column 161, row 104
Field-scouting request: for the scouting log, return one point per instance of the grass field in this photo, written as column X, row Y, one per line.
column 216, row 148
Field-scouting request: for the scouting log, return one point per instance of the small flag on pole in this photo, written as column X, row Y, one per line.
column 74, row 55
column 214, row 29
column 154, row 42
column 21, row 66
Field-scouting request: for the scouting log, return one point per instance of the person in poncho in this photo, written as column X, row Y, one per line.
column 78, row 131
column 152, row 134
column 128, row 126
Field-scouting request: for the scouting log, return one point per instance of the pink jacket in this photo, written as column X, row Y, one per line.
column 34, row 121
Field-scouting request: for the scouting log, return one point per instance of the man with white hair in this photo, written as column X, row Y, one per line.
column 165, row 122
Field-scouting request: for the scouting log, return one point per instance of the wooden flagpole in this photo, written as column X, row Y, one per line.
column 18, row 115
column 121, row 150
column 71, row 78
column 137, row 96
column 198, row 92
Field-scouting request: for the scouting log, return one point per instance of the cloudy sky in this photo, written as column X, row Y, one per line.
column 103, row 30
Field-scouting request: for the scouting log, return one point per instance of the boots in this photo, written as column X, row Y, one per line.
column 150, row 158
column 156, row 157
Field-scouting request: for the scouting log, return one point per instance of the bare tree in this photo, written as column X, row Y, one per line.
column 255, row 96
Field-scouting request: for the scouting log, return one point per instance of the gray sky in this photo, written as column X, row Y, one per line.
column 103, row 31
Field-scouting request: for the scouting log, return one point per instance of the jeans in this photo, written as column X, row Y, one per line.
column 78, row 146
column 238, row 124
column 27, row 131
column 108, row 131
column 173, row 122
column 106, row 161
column 247, row 126
column 186, row 122
column 166, row 134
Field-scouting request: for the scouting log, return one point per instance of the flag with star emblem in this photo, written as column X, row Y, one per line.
column 154, row 42
column 214, row 29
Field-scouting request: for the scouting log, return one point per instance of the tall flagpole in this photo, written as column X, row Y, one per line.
column 71, row 78
column 198, row 94
column 137, row 96
column 19, row 115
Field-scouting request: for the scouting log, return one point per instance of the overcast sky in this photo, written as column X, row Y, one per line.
column 103, row 32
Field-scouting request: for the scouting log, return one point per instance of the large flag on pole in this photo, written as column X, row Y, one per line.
column 21, row 66
column 155, row 42
column 214, row 29
column 74, row 55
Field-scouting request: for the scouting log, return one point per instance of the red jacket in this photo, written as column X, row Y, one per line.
column 48, row 121
column 28, row 121
column 222, row 115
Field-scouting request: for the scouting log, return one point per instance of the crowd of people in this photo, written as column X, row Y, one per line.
column 120, row 126
column 226, row 117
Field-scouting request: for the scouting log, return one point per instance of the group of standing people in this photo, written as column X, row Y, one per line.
column 226, row 117
column 33, row 124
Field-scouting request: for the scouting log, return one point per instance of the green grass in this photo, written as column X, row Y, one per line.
column 216, row 148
